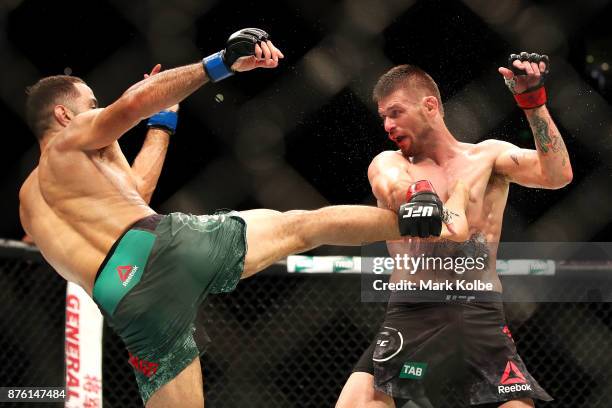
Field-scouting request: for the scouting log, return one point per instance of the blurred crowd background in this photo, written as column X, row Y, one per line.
column 302, row 135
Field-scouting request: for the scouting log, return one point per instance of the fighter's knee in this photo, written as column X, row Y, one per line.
column 363, row 403
column 359, row 392
column 297, row 222
column 349, row 404
column 296, row 212
column 519, row 403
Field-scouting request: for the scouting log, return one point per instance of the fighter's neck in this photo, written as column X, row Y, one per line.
column 43, row 143
column 440, row 147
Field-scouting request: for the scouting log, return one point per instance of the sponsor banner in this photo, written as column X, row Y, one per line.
column 323, row 264
column 83, row 349
column 520, row 271
column 353, row 264
column 525, row 267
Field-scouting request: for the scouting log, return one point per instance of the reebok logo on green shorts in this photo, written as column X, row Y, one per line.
column 126, row 273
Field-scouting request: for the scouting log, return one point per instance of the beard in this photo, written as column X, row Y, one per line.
column 406, row 146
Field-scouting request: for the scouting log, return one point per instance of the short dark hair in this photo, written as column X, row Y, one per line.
column 44, row 95
column 407, row 76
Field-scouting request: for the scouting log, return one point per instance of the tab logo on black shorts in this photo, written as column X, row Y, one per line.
column 413, row 370
column 512, row 380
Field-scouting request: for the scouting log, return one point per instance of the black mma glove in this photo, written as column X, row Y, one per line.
column 218, row 66
column 421, row 215
column 535, row 95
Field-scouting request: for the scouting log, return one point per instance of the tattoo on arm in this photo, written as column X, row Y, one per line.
column 547, row 138
column 514, row 158
column 556, row 144
column 540, row 131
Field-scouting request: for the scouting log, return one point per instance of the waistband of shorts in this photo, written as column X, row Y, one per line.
column 148, row 223
column 449, row 296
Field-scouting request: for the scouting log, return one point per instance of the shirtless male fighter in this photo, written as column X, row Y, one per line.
column 86, row 209
column 431, row 336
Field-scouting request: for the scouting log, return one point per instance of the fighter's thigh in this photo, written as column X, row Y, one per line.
column 522, row 403
column 359, row 392
column 271, row 236
column 185, row 390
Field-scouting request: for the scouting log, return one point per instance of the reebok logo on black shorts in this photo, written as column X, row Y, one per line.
column 512, row 380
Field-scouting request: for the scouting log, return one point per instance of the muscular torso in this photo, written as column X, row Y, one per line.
column 75, row 204
column 488, row 194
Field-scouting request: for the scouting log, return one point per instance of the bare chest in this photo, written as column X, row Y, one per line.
column 474, row 172
column 488, row 192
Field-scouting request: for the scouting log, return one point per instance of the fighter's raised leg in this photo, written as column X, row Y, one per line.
column 185, row 390
column 273, row 235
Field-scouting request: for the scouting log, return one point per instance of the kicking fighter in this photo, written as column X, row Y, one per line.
column 86, row 209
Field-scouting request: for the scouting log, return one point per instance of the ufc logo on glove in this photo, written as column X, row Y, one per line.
column 413, row 212
column 421, row 214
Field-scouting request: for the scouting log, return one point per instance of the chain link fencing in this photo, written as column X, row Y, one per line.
column 288, row 340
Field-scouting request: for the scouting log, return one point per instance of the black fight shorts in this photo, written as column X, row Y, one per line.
column 422, row 345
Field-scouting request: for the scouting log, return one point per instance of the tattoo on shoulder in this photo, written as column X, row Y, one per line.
column 515, row 159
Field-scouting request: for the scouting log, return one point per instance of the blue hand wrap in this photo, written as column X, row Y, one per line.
column 164, row 119
column 215, row 67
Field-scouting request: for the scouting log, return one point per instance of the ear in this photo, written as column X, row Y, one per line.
column 62, row 115
column 431, row 105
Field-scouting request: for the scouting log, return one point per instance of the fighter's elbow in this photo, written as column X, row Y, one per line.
column 385, row 194
column 459, row 233
column 131, row 106
column 567, row 177
column 559, row 180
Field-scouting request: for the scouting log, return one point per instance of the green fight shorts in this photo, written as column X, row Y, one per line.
column 154, row 278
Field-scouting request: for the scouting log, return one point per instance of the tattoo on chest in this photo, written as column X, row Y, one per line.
column 448, row 216
column 476, row 246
